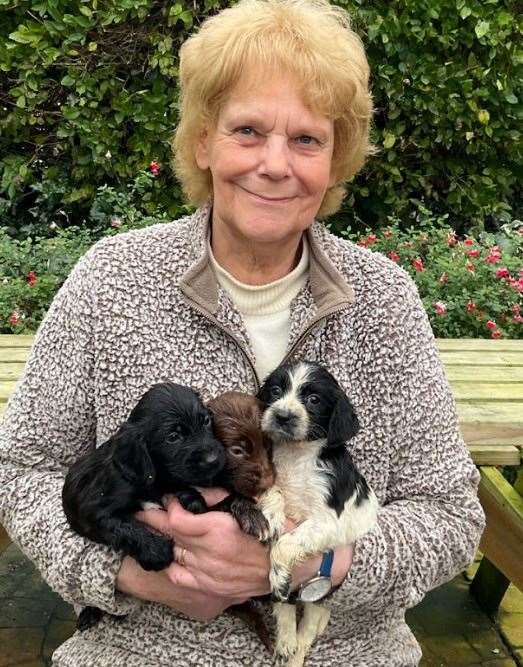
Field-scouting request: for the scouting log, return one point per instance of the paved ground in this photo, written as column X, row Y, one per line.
column 449, row 625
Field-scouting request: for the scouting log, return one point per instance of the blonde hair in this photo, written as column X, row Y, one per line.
column 310, row 40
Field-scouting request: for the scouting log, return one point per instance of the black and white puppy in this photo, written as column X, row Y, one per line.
column 166, row 445
column 309, row 419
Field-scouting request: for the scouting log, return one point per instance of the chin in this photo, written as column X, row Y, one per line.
column 273, row 226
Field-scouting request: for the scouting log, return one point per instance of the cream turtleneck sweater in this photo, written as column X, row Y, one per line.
column 266, row 309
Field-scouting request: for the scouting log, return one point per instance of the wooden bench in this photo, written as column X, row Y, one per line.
column 487, row 381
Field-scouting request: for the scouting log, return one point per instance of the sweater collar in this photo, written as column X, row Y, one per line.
column 328, row 287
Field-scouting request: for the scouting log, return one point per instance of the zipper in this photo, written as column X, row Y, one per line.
column 297, row 342
column 304, row 334
column 230, row 335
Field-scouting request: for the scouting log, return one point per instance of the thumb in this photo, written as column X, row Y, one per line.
column 186, row 524
column 156, row 519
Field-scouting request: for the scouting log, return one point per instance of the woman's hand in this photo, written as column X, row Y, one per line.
column 219, row 559
column 158, row 587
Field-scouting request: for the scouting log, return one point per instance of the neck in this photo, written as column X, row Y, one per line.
column 254, row 262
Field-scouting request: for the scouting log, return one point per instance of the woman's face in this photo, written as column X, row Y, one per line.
column 270, row 160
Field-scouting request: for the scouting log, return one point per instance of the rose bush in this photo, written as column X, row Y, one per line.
column 470, row 286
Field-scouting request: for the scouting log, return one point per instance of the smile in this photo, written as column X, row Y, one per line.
column 268, row 200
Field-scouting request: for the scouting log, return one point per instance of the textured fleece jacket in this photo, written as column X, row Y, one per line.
column 145, row 306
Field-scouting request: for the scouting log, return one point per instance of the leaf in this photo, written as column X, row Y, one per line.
column 389, row 140
column 466, row 11
column 67, row 80
column 483, row 116
column 482, row 28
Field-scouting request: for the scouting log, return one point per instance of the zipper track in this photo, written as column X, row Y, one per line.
column 230, row 335
column 310, row 327
column 296, row 343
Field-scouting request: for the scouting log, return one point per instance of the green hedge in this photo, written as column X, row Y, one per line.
column 89, row 97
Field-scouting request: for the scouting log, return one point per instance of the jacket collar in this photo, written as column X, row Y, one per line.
column 328, row 287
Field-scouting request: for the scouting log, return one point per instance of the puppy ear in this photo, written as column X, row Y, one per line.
column 131, row 458
column 343, row 424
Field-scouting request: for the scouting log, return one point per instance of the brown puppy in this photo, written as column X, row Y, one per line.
column 249, row 471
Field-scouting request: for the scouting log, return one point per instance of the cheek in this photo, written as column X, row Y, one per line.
column 230, row 162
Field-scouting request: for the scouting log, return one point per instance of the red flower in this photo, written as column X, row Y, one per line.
column 418, row 264
column 394, row 256
column 518, row 319
column 14, row 318
column 502, row 273
column 444, row 278
column 520, row 285
column 468, row 241
column 470, row 267
column 362, row 243
column 471, row 306
column 451, row 239
column 496, row 334
column 155, row 168
column 490, row 324
column 493, row 258
column 473, row 253
column 371, row 238
column 440, row 307
column 31, row 278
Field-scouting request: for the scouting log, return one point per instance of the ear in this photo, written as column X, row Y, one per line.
column 343, row 424
column 130, row 456
column 201, row 152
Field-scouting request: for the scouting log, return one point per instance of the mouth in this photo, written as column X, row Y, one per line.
column 268, row 200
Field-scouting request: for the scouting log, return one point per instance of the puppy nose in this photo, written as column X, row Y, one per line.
column 267, row 479
column 209, row 458
column 283, row 417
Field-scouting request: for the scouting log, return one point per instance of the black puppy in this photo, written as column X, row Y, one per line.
column 166, row 445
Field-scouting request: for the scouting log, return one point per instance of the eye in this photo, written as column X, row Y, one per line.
column 275, row 392
column 246, row 131
column 306, row 140
column 207, row 420
column 174, row 437
column 237, row 450
column 313, row 399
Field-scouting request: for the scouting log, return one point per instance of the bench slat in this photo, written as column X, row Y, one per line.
column 487, row 344
column 502, row 541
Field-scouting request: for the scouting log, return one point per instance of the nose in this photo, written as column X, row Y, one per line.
column 283, row 417
column 214, row 457
column 267, row 479
column 275, row 159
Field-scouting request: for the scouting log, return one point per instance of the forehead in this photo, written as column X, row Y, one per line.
column 277, row 99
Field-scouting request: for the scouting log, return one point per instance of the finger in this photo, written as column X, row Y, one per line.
column 157, row 519
column 184, row 524
column 213, row 495
column 181, row 576
column 183, row 556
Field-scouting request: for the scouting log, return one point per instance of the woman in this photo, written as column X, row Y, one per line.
column 274, row 120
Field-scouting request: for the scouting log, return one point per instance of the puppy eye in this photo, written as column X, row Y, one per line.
column 276, row 392
column 207, row 420
column 313, row 399
column 237, row 450
column 173, row 438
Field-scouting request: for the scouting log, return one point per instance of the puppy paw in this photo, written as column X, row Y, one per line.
column 157, row 554
column 284, row 650
column 250, row 519
column 192, row 501
column 280, row 580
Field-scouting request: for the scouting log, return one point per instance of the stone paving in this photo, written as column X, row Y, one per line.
column 448, row 623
